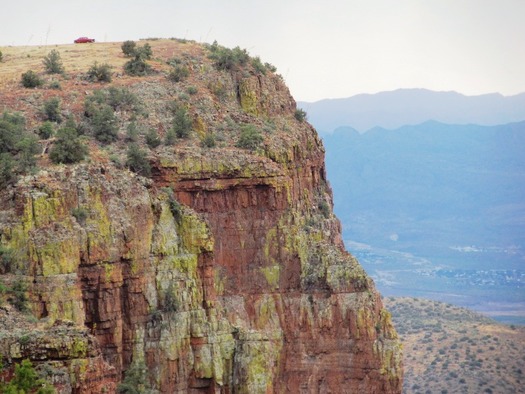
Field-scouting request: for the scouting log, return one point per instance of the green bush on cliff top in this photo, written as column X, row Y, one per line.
column 226, row 58
column 99, row 73
column 250, row 137
column 30, row 80
column 137, row 64
column 137, row 160
column 17, row 148
column 68, row 147
column 53, row 63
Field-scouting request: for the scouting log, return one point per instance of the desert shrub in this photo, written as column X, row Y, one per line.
column 26, row 380
column 135, row 380
column 258, row 65
column 226, row 58
column 99, row 73
column 15, row 118
column 68, row 147
column 53, row 63
column 137, row 160
column 6, row 259
column 175, row 207
column 300, row 115
column 219, row 90
column 7, row 175
column 324, row 208
column 19, row 299
column 30, row 79
column 208, row 141
column 122, row 98
column 137, row 67
column 115, row 98
column 16, row 146
column 27, row 149
column 1, row 56
column 191, row 90
column 270, row 67
column 128, row 48
column 80, row 214
column 94, row 101
column 137, row 64
column 103, row 123
column 170, row 138
column 182, row 123
column 144, row 52
column 11, row 127
column 174, row 61
column 178, row 73
column 250, row 137
column 170, row 300
column 132, row 132
column 51, row 110
column 152, row 138
column 55, row 85
column 45, row 130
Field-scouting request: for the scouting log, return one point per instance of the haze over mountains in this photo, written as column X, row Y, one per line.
column 401, row 107
column 432, row 209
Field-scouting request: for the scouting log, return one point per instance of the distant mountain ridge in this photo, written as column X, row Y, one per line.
column 434, row 201
column 397, row 108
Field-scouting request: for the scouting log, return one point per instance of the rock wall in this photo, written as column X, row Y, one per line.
column 225, row 272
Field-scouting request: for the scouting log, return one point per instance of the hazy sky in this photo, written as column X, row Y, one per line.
column 324, row 49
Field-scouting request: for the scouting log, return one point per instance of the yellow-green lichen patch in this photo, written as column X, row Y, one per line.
column 185, row 264
column 100, row 233
column 272, row 275
column 199, row 126
column 48, row 208
column 58, row 256
column 165, row 239
column 266, row 317
column 79, row 347
column 203, row 365
column 387, row 328
column 195, row 234
column 248, row 97
column 390, row 352
column 219, row 280
column 257, row 363
column 365, row 323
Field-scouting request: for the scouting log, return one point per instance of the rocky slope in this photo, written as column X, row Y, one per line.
column 224, row 271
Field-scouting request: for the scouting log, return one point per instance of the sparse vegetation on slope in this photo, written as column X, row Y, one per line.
column 448, row 349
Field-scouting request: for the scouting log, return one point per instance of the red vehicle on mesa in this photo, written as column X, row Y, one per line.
column 82, row 40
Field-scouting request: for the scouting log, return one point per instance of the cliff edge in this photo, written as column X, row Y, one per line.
column 193, row 248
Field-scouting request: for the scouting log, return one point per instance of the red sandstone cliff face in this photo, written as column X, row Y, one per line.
column 225, row 272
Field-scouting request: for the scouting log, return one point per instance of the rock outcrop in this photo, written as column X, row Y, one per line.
column 223, row 272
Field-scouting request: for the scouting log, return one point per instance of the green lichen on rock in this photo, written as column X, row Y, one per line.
column 272, row 275
column 195, row 234
column 248, row 97
column 257, row 363
column 98, row 225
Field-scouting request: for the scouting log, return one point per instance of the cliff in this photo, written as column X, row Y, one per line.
column 222, row 271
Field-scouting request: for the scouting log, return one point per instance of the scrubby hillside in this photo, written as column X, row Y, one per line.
column 448, row 349
column 166, row 223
